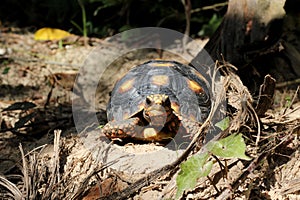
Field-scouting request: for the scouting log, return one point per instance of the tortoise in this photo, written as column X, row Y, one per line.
column 153, row 100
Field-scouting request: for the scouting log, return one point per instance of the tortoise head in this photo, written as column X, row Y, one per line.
column 157, row 110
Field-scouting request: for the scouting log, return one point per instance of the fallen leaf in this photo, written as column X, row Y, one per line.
column 50, row 34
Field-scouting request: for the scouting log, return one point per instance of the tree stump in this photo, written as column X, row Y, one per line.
column 259, row 38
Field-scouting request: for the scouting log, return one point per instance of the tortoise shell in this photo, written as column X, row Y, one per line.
column 185, row 86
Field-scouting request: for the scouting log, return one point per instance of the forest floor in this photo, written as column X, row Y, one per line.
column 38, row 96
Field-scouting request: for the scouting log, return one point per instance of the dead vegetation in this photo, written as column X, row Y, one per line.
column 80, row 166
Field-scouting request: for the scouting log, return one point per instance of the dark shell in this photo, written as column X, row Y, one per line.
column 185, row 87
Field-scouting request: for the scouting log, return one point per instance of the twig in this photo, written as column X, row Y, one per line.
column 209, row 7
column 290, row 112
column 291, row 103
column 287, row 83
column 25, row 173
column 212, row 183
column 187, row 10
column 12, row 188
column 257, row 122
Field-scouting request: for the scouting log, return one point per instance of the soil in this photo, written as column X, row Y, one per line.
column 39, row 93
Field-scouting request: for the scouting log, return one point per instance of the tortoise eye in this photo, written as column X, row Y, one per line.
column 148, row 101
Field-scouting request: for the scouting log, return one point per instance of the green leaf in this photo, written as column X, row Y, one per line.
column 209, row 28
column 191, row 170
column 60, row 44
column 232, row 146
column 6, row 70
column 223, row 124
column 288, row 102
column 101, row 126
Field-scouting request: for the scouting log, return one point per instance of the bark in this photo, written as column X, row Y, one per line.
column 259, row 37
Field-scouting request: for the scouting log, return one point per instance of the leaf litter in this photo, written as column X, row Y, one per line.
column 72, row 171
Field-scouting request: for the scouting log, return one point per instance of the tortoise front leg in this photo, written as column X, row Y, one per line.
column 134, row 128
column 127, row 128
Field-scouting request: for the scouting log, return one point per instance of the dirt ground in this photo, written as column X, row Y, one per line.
column 37, row 93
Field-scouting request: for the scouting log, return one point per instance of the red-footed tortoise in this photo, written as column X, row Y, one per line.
column 154, row 99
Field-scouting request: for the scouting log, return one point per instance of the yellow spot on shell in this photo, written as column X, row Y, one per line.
column 126, row 86
column 160, row 80
column 161, row 64
column 195, row 86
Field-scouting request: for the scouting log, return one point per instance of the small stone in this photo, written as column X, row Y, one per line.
column 2, row 51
